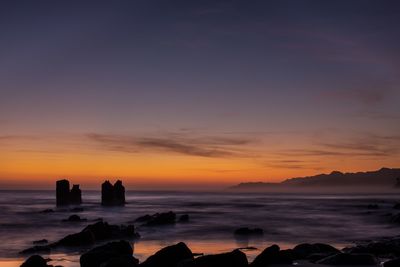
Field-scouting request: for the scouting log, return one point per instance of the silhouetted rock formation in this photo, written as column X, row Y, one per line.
column 112, row 195
column 75, row 195
column 66, row 197
column 169, row 256
column 35, row 261
column 273, row 255
column 111, row 254
column 62, row 192
column 392, row 263
column 74, row 218
column 164, row 218
column 235, row 258
column 305, row 251
column 91, row 234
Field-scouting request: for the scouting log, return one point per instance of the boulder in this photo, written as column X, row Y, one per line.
column 236, row 258
column 169, row 256
column 304, row 251
column 35, row 261
column 245, row 231
column 273, row 255
column 111, row 254
column 83, row 238
column 392, row 263
column 350, row 259
column 161, row 219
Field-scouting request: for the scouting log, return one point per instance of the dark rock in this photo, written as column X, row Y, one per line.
column 392, row 263
column 273, row 255
column 372, row 207
column 169, row 256
column 383, row 248
column 75, row 195
column 395, row 218
column 397, row 206
column 235, row 258
column 184, row 218
column 83, row 238
column 74, row 218
column 144, row 218
column 112, row 195
column 350, row 259
column 111, row 254
column 62, row 192
column 245, row 231
column 161, row 219
column 35, row 261
column 41, row 241
column 119, row 192
column 303, row 251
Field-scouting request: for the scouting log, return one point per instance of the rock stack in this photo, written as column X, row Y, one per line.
column 112, row 195
column 65, row 196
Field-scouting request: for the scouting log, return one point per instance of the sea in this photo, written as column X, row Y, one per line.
column 287, row 220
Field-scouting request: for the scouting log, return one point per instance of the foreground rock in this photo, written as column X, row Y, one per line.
column 169, row 256
column 245, row 231
column 385, row 248
column 111, row 254
column 35, row 261
column 350, row 260
column 392, row 263
column 313, row 252
column 91, row 234
column 235, row 258
column 273, row 255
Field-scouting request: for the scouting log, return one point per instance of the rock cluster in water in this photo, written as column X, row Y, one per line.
column 112, row 195
column 65, row 196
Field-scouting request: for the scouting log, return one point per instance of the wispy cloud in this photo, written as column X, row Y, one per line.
column 203, row 146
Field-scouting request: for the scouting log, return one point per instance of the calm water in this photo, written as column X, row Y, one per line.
column 287, row 220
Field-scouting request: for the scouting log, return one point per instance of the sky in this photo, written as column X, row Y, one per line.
column 196, row 94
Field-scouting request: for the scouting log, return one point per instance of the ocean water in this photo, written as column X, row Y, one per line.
column 287, row 220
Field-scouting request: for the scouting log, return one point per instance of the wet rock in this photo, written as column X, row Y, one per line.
column 75, row 195
column 169, row 256
column 74, row 218
column 161, row 219
column 35, row 261
column 245, row 231
column 392, row 263
column 273, row 255
column 304, row 251
column 110, row 255
column 62, row 192
column 350, row 259
column 235, row 258
column 184, row 218
column 41, row 241
column 112, row 195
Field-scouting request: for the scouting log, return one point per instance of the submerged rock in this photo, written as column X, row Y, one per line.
column 169, row 256
column 304, row 251
column 74, row 218
column 273, row 255
column 184, row 218
column 111, row 254
column 245, row 231
column 41, row 241
column 35, row 261
column 235, row 258
column 350, row 259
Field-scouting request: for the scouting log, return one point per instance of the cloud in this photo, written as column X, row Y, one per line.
column 204, row 146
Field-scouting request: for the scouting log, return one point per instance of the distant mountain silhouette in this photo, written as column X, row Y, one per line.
column 384, row 177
